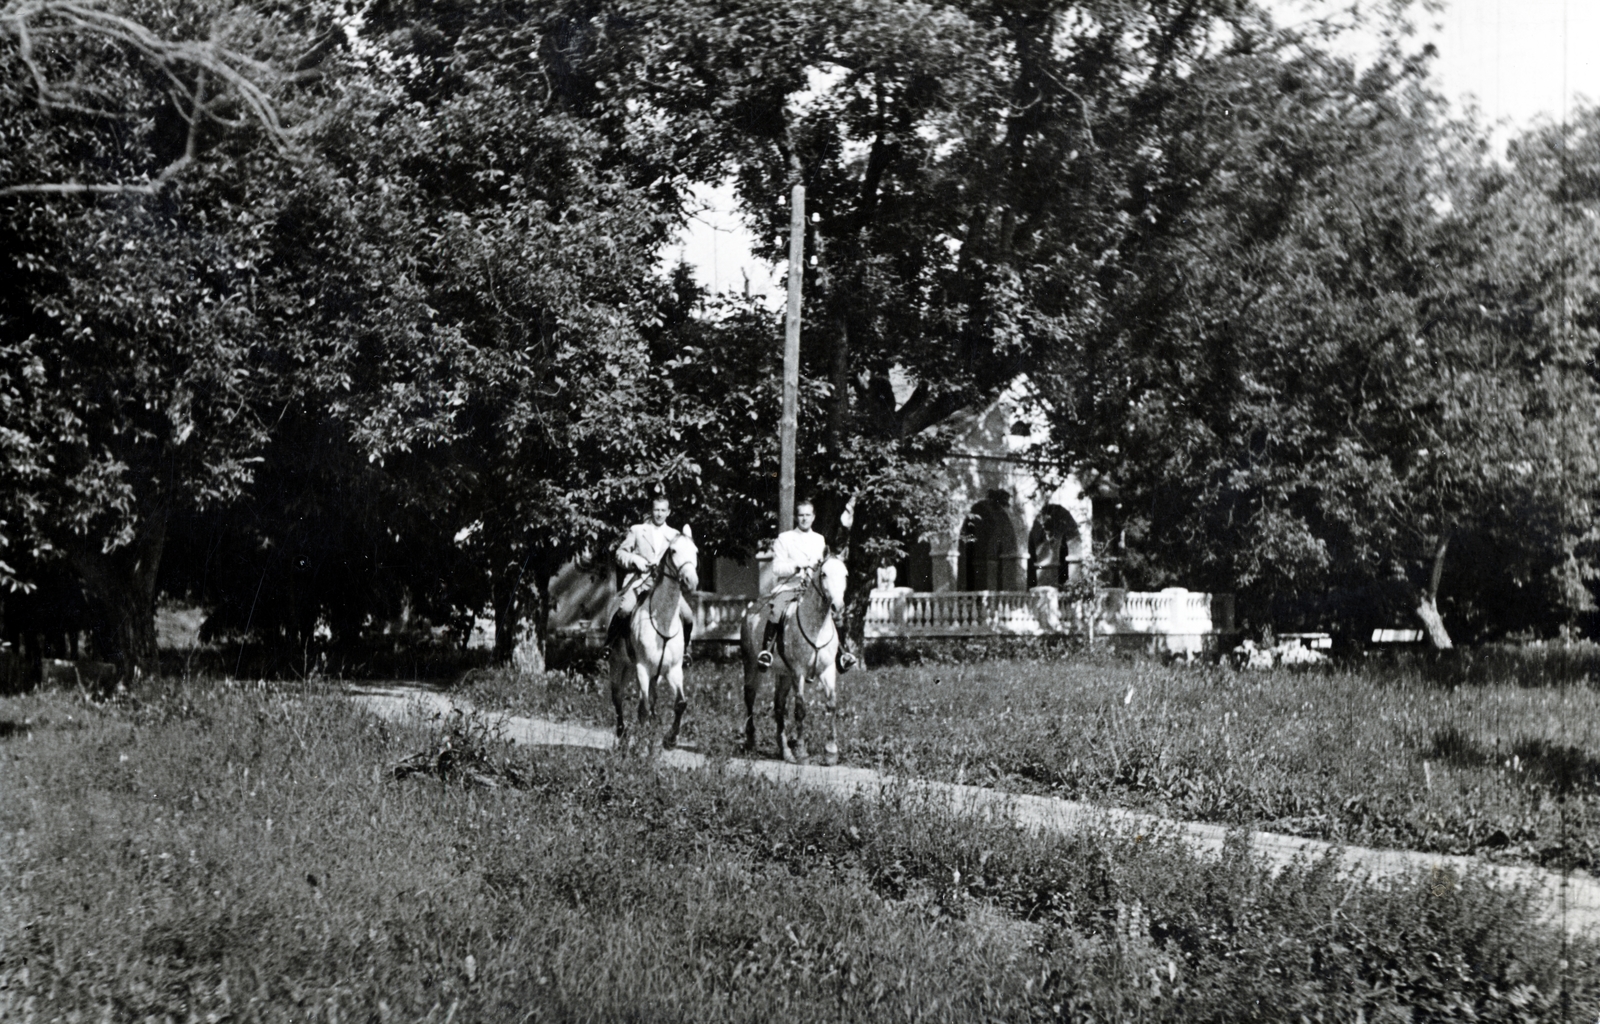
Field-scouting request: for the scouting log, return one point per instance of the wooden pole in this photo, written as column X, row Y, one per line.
column 788, row 422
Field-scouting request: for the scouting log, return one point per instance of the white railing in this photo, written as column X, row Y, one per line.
column 1042, row 610
column 717, row 617
column 960, row 613
column 1184, row 617
column 1167, row 612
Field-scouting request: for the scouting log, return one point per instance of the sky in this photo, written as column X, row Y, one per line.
column 1517, row 60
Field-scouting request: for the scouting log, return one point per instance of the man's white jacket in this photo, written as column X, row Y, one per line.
column 796, row 550
column 647, row 542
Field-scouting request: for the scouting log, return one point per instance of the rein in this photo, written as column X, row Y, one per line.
column 659, row 572
column 817, row 583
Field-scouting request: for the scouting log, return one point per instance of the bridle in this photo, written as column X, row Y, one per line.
column 663, row 570
column 666, row 568
column 816, row 580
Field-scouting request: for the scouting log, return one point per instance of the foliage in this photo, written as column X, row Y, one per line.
column 162, row 337
column 150, row 329
column 469, row 748
column 1355, row 348
column 969, row 182
column 357, row 319
column 611, row 890
column 530, row 230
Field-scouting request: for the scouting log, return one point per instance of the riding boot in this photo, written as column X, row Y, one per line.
column 617, row 630
column 768, row 635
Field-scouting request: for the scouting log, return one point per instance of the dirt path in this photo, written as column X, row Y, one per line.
column 1572, row 902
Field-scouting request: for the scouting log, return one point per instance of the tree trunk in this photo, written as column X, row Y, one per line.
column 507, row 610
column 541, row 618
column 529, row 654
column 855, row 610
column 121, row 587
column 1428, row 603
column 839, row 377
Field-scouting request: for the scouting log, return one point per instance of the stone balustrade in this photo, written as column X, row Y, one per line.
column 959, row 613
column 1177, row 620
column 717, row 617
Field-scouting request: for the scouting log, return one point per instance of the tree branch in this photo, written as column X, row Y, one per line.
column 243, row 78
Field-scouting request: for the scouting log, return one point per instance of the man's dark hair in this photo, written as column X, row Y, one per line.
column 805, row 501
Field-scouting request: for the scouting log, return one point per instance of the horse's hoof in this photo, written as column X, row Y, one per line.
column 830, row 755
column 669, row 743
column 801, row 756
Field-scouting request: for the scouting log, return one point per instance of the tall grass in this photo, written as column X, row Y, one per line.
column 1382, row 754
column 247, row 854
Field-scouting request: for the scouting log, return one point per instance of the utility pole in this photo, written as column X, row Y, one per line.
column 788, row 422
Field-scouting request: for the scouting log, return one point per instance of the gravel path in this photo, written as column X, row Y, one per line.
column 1573, row 902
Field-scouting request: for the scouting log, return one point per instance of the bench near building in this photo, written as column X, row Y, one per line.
column 1018, row 529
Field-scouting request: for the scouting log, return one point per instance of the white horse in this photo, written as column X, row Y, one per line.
column 652, row 649
column 807, row 650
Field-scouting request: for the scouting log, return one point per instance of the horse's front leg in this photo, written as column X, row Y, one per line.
column 680, row 702
column 641, row 675
column 619, row 676
column 828, row 679
column 780, row 701
column 752, row 683
column 797, row 742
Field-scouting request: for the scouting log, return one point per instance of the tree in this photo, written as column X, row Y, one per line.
column 95, row 64
column 1350, row 353
column 974, row 167
column 532, row 220
column 157, row 321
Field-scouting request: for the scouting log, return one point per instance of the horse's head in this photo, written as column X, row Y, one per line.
column 831, row 577
column 681, row 561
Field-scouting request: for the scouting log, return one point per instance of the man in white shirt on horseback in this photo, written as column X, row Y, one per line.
column 638, row 555
column 795, row 556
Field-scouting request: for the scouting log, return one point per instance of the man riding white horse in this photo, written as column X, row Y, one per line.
column 637, row 557
column 795, row 557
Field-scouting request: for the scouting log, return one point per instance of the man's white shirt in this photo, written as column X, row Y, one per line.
column 794, row 551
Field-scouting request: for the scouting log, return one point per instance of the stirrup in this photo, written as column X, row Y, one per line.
column 846, row 660
column 764, row 660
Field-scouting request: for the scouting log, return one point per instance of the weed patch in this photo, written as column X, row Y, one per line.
column 466, row 747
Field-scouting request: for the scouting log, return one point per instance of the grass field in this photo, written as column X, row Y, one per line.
column 245, row 854
column 1500, row 757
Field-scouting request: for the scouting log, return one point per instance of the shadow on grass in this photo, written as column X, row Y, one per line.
column 1562, row 770
column 1529, row 666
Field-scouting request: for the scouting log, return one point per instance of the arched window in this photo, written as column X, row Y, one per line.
column 1055, row 548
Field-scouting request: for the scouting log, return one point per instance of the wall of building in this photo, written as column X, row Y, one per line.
column 1012, row 512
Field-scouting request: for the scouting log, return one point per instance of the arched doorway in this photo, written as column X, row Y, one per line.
column 990, row 556
column 917, row 572
column 1055, row 548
